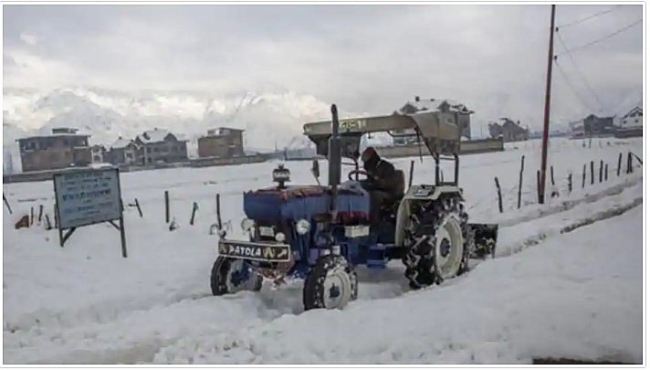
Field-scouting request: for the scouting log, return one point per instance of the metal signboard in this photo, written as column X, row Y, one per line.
column 87, row 197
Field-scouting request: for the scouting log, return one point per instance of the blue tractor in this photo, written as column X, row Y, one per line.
column 322, row 232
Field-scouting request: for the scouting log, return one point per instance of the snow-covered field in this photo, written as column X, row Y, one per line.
column 548, row 294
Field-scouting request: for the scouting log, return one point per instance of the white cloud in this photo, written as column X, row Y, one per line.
column 367, row 58
column 29, row 39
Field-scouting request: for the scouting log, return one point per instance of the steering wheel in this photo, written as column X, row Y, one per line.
column 360, row 172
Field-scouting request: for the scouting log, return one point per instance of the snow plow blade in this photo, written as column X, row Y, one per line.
column 485, row 239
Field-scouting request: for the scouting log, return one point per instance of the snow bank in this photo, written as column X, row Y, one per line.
column 575, row 296
column 86, row 304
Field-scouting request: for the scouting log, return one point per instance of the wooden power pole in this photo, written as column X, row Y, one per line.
column 547, row 110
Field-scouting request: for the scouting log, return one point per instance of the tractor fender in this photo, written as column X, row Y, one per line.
column 419, row 193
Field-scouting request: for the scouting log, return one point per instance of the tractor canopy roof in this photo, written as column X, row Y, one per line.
column 438, row 130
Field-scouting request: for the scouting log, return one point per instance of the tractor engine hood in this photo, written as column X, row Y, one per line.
column 274, row 205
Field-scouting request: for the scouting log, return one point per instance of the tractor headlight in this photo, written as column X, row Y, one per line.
column 247, row 224
column 280, row 237
column 303, row 226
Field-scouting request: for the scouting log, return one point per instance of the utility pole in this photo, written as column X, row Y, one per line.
column 547, row 110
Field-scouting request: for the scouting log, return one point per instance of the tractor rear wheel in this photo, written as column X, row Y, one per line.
column 437, row 252
column 331, row 284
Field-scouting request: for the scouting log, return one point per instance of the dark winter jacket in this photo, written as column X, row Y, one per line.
column 387, row 179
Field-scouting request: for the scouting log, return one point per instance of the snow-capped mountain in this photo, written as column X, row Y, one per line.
column 270, row 120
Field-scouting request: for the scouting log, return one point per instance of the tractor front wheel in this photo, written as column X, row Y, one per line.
column 330, row 284
column 230, row 275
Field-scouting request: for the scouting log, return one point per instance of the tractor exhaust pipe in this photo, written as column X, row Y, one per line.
column 334, row 150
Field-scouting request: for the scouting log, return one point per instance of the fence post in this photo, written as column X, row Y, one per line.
column 219, row 211
column 40, row 213
column 521, row 175
column 538, row 185
column 570, row 183
column 629, row 163
column 606, row 170
column 552, row 177
column 31, row 218
column 600, row 172
column 592, row 172
column 56, row 216
column 496, row 181
column 4, row 198
column 195, row 207
column 620, row 159
column 137, row 205
column 584, row 174
column 166, row 206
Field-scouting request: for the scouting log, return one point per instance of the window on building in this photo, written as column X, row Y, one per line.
column 149, row 150
column 636, row 120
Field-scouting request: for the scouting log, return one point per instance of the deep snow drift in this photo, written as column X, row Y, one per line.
column 574, row 295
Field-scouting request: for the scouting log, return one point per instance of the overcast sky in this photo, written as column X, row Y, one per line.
column 366, row 57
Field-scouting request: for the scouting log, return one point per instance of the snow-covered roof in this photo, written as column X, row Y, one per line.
column 434, row 104
column 121, row 143
column 153, row 136
column 157, row 136
column 222, row 131
column 633, row 110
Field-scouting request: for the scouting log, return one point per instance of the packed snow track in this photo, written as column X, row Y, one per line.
column 556, row 289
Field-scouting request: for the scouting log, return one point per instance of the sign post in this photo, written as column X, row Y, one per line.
column 87, row 197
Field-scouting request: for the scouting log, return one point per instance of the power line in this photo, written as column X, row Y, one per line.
column 595, row 15
column 603, row 38
column 584, row 79
column 573, row 89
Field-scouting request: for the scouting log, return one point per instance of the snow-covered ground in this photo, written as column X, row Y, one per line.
column 549, row 294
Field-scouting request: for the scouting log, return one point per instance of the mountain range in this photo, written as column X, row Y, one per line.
column 270, row 120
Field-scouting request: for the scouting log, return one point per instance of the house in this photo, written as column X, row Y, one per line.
column 63, row 148
column 97, row 154
column 630, row 124
column 223, row 142
column 632, row 118
column 126, row 152
column 461, row 112
column 510, row 130
column 595, row 126
column 577, row 129
column 161, row 146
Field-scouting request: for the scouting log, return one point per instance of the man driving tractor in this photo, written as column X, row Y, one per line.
column 383, row 182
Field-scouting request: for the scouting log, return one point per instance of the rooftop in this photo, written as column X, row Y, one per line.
column 50, row 136
column 121, row 143
column 434, row 104
column 220, row 131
